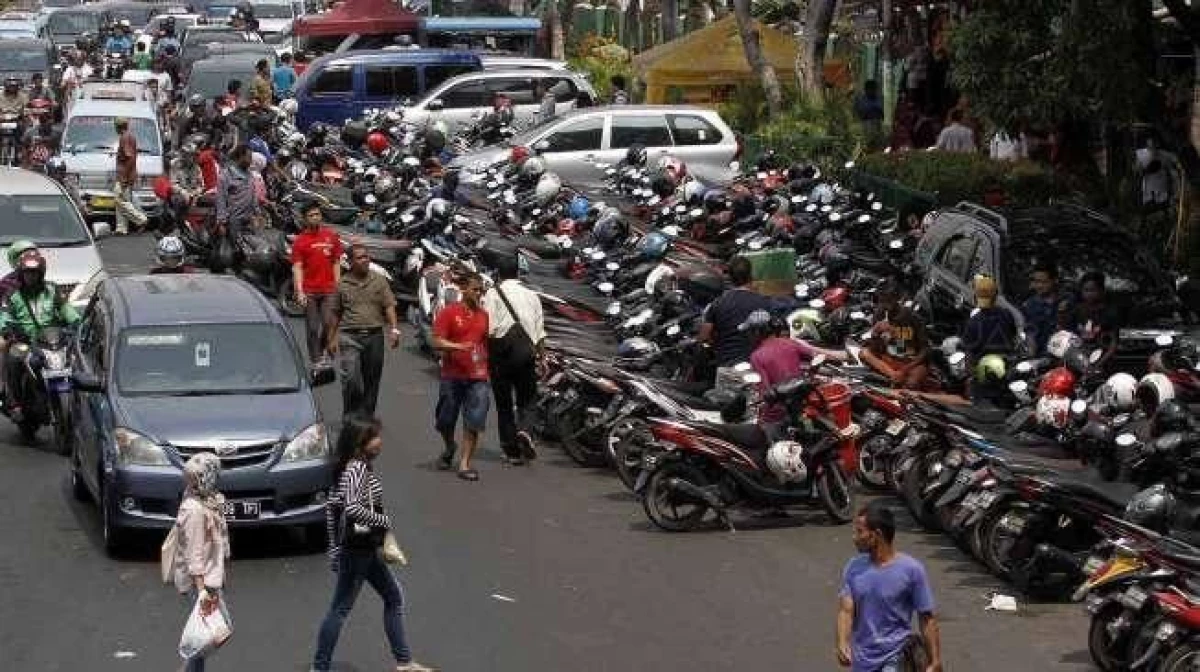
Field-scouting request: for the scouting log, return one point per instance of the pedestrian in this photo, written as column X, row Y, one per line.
column 514, row 346
column 1042, row 309
column 284, row 77
column 881, row 591
column 549, row 103
column 202, row 540
column 619, row 95
column 316, row 271
column 728, row 311
column 460, row 332
column 262, row 92
column 236, row 203
column 357, row 524
column 300, row 63
column 366, row 310
column 127, row 154
column 956, row 137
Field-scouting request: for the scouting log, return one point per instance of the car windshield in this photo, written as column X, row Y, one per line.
column 211, row 36
column 22, row 60
column 97, row 134
column 50, row 220
column 206, row 359
column 212, row 83
column 73, row 23
column 136, row 16
column 531, row 133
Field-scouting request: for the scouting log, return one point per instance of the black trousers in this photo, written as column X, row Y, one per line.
column 318, row 315
column 514, row 385
column 361, row 396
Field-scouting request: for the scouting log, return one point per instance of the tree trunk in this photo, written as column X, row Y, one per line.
column 754, row 56
column 670, row 19
column 633, row 26
column 812, row 48
column 555, row 26
column 719, row 10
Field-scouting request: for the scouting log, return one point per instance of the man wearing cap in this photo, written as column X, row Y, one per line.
column 778, row 359
column 127, row 153
column 989, row 329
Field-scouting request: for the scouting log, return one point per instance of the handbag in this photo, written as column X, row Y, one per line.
column 357, row 535
column 516, row 347
column 392, row 554
column 166, row 559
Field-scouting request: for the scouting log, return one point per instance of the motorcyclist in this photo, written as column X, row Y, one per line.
column 13, row 100
column 38, row 89
column 166, row 40
column 75, row 74
column 10, row 282
column 36, row 139
column 120, row 41
column 171, row 259
column 196, row 119
column 35, row 305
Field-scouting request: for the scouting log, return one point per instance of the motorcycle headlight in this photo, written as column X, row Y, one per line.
column 310, row 444
column 133, row 448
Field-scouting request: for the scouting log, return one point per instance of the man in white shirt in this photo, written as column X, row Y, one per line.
column 956, row 137
column 514, row 344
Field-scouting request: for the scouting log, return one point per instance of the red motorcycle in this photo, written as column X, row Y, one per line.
column 702, row 467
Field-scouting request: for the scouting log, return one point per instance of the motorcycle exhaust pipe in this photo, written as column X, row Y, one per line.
column 697, row 492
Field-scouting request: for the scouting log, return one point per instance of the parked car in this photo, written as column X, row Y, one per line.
column 157, row 360
column 510, row 62
column 210, row 76
column 204, row 33
column 63, row 26
column 968, row 239
column 573, row 143
column 466, row 97
column 35, row 207
column 16, row 26
column 342, row 86
column 200, row 52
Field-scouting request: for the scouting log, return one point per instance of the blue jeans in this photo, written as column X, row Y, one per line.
column 471, row 398
column 354, row 567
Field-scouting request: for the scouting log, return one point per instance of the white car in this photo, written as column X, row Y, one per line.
column 465, row 98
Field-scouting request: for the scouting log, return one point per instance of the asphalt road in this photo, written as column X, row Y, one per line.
column 544, row 568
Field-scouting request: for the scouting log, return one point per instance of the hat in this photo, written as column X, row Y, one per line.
column 756, row 320
column 985, row 291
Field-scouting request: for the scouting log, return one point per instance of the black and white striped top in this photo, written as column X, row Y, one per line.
column 360, row 491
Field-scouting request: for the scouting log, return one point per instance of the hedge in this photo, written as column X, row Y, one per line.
column 952, row 177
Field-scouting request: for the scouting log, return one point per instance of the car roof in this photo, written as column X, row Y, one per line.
column 634, row 109
column 500, row 60
column 21, row 182
column 222, row 62
column 135, row 109
column 397, row 56
column 535, row 73
column 155, row 300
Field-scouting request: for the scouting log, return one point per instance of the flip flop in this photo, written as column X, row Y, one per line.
column 468, row 474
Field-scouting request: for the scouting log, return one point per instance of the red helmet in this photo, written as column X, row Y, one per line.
column 518, row 154
column 566, row 227
column 162, row 187
column 38, row 106
column 1058, row 382
column 378, row 143
column 835, row 297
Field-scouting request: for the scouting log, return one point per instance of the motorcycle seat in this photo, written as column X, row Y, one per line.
column 680, row 393
column 1115, row 495
column 748, row 436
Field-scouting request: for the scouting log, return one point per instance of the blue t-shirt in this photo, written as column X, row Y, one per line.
column 284, row 78
column 885, row 600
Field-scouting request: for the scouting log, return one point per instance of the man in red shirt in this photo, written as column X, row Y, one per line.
column 317, row 270
column 210, row 169
column 460, row 333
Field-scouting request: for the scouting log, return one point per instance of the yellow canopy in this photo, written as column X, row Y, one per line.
column 711, row 57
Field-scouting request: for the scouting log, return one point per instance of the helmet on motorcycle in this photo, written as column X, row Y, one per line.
column 16, row 249
column 785, row 459
column 1171, row 416
column 700, row 282
column 609, row 227
column 744, row 205
column 1060, row 342
column 676, row 168
column 636, row 347
column 693, row 193
column 769, row 161
column 653, row 246
column 547, row 189
column 1152, row 508
column 439, row 211
column 297, row 141
column 532, row 169
column 805, row 324
column 518, row 155
column 635, row 155
column 990, row 369
column 803, row 171
column 1058, row 382
column 378, row 143
column 170, row 251
column 259, row 146
column 715, row 201
column 1152, row 390
column 1076, row 360
column 760, row 323
column 577, row 209
column 822, row 194
column 1053, row 411
column 384, row 186
column 31, row 268
column 289, row 107
column 1119, row 392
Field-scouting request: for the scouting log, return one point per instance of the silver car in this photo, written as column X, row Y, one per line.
column 465, row 98
column 574, row 143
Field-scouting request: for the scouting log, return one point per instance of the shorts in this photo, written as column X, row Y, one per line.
column 472, row 397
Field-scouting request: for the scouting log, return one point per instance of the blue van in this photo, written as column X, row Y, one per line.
column 342, row 86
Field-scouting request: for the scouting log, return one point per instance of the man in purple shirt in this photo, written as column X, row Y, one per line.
column 881, row 590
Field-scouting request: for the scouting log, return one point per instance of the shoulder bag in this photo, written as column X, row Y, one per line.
column 516, row 347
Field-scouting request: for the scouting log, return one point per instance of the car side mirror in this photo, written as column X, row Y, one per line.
column 321, row 376
column 101, row 229
column 436, row 105
column 87, row 382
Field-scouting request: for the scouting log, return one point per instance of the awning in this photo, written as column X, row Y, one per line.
column 365, row 17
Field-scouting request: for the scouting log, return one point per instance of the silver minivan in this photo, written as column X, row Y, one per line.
column 573, row 143
column 465, row 98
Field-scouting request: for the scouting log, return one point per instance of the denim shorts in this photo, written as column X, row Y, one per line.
column 472, row 398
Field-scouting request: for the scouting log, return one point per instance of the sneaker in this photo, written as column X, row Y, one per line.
column 526, row 445
column 414, row 666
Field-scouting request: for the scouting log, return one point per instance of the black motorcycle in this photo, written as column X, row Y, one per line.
column 44, row 387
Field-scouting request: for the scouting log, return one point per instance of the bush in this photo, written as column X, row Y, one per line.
column 826, row 134
column 953, row 177
column 599, row 58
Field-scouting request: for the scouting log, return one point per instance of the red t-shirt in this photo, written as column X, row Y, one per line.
column 317, row 252
column 459, row 324
column 209, row 170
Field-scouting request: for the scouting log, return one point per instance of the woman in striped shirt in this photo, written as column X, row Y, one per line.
column 357, row 525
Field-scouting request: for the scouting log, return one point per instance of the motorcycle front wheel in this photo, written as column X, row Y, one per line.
column 1185, row 658
column 569, row 425
column 59, row 425
column 627, row 441
column 833, row 489
column 669, row 508
column 1108, row 652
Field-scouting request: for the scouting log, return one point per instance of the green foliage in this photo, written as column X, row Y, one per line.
column 954, row 177
column 599, row 59
column 1034, row 61
column 826, row 133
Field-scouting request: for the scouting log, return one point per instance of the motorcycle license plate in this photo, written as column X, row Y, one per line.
column 8, row 126
column 50, row 374
column 895, row 427
column 985, row 499
column 240, row 509
column 1013, row 523
column 971, row 500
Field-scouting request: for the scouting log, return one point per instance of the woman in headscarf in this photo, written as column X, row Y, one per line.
column 203, row 542
column 258, row 163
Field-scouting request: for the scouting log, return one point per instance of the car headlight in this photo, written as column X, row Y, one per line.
column 83, row 292
column 133, row 448
column 310, row 444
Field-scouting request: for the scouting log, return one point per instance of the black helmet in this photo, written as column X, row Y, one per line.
column 435, row 139
column 744, row 206
column 700, row 282
column 1171, row 416
column 636, row 155
column 31, row 269
column 1076, row 360
column 636, row 347
column 12, row 83
column 196, row 100
column 769, row 161
column 803, row 171
column 662, row 183
column 1152, row 508
column 715, row 201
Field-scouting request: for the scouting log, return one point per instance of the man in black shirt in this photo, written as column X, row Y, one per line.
column 721, row 320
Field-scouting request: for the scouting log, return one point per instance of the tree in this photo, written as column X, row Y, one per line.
column 752, row 45
column 811, row 59
column 670, row 20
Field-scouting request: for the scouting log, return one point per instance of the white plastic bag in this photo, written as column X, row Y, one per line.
column 204, row 634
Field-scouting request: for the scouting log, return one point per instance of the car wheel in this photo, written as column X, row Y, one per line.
column 114, row 536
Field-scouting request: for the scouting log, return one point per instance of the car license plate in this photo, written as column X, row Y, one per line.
column 241, row 509
column 895, row 427
column 50, row 374
column 103, row 202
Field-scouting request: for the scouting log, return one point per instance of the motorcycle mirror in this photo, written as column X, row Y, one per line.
column 612, row 266
column 835, row 216
column 1164, row 340
column 877, row 206
column 811, row 207
column 565, row 243
column 742, row 367
column 671, row 230
column 858, row 315
column 598, row 255
column 802, row 290
column 1078, row 407
column 697, row 212
column 527, row 226
column 751, row 378
column 761, row 175
column 541, row 146
column 1126, row 440
column 896, row 244
column 1018, row 386
column 681, row 208
column 797, row 199
column 407, row 218
column 848, row 165
column 666, row 210
column 863, row 219
column 673, row 330
column 756, row 245
column 735, row 166
column 101, row 229
column 606, row 288
column 1024, row 367
column 370, row 199
column 816, row 303
column 536, row 212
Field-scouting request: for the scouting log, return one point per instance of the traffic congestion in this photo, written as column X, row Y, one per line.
column 728, row 341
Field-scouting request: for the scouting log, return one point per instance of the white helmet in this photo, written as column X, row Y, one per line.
column 786, row 460
column 289, row 107
column 1119, row 392
column 170, row 251
column 547, row 189
column 1053, row 411
column 1152, row 390
column 693, row 192
column 822, row 194
column 1061, row 342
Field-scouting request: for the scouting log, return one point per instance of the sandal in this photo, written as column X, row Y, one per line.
column 468, row 474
